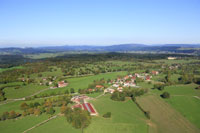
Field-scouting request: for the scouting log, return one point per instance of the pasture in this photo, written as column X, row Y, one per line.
column 21, row 124
column 23, row 91
column 184, row 98
column 126, row 117
column 166, row 118
column 6, row 69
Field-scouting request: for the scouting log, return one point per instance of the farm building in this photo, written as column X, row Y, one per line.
column 77, row 106
column 126, row 77
column 115, row 85
column 79, row 99
column 99, row 86
column 120, row 89
column 62, row 84
column 108, row 90
column 86, row 106
column 89, row 107
column 148, row 78
column 133, row 78
column 155, row 72
column 91, row 90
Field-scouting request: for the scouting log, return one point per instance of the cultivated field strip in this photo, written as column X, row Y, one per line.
column 167, row 119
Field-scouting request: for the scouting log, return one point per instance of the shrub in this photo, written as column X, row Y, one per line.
column 30, row 110
column 159, row 86
column 165, row 95
column 72, row 90
column 24, row 106
column 107, row 115
column 37, row 112
column 4, row 116
column 63, row 109
column 25, row 113
column 118, row 96
column 147, row 114
column 50, row 111
column 197, row 88
column 17, row 87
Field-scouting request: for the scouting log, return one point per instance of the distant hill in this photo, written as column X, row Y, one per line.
column 173, row 48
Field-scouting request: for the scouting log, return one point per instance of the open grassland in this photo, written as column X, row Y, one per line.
column 187, row 90
column 167, row 119
column 23, row 91
column 44, row 55
column 94, row 94
column 21, row 124
column 5, row 69
column 126, row 117
column 181, row 61
column 10, row 106
column 58, row 125
column 185, row 99
column 15, row 105
column 188, row 106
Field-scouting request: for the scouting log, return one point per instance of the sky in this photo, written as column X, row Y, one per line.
column 34, row 23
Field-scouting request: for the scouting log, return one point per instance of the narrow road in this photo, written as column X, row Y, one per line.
column 21, row 99
column 197, row 97
column 41, row 123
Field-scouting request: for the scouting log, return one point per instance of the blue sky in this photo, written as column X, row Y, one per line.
column 98, row 22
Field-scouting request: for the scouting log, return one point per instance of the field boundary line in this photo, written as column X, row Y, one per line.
column 41, row 123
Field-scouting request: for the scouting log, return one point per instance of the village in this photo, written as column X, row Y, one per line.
column 82, row 101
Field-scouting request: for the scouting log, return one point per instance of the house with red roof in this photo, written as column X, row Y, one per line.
column 148, row 78
column 126, row 77
column 155, row 72
column 62, row 84
column 99, row 86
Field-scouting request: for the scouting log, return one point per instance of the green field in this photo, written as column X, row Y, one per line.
column 182, row 98
column 178, row 114
column 165, row 61
column 126, row 117
column 167, row 119
column 5, row 69
column 23, row 91
column 188, row 106
column 20, row 125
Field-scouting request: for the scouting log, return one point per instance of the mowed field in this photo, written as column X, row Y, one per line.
column 23, row 91
column 166, row 118
column 126, row 118
column 22, row 124
column 185, row 99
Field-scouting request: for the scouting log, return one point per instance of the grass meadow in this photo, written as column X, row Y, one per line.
column 184, row 98
column 126, row 117
column 165, row 118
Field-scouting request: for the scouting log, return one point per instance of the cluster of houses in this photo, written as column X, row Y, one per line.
column 98, row 87
column 82, row 102
column 60, row 83
column 172, row 67
column 48, row 80
column 128, row 81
